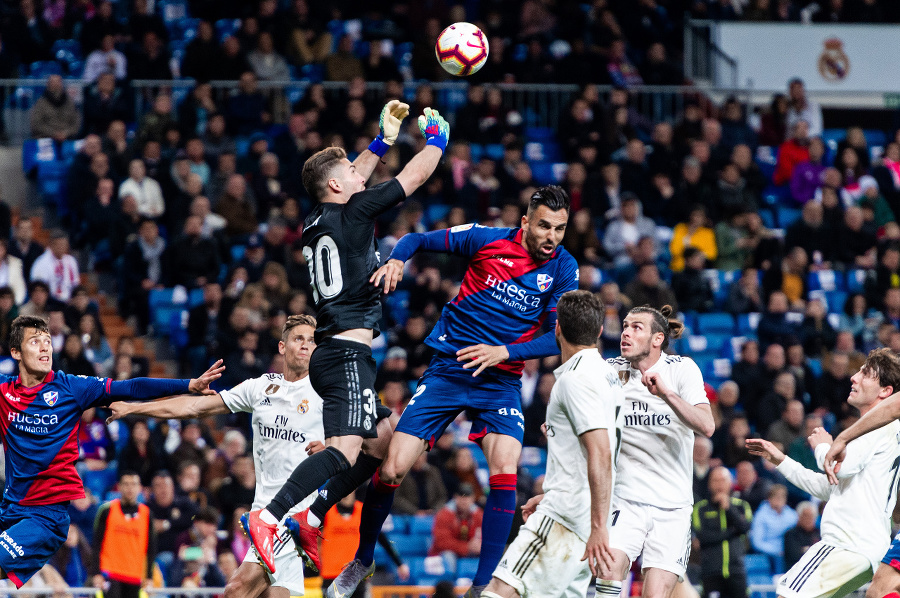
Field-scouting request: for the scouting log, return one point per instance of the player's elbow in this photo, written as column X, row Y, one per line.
column 708, row 427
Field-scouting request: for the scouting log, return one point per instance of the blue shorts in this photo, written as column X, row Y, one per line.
column 892, row 557
column 492, row 402
column 29, row 536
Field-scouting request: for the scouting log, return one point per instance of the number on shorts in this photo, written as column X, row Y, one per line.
column 324, row 268
column 615, row 517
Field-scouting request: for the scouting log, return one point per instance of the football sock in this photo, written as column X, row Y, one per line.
column 608, row 589
column 376, row 508
column 892, row 595
column 342, row 485
column 495, row 525
column 306, row 478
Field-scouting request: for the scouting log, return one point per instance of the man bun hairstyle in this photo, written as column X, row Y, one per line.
column 662, row 320
column 20, row 324
column 552, row 196
column 580, row 315
column 318, row 167
column 294, row 321
column 883, row 365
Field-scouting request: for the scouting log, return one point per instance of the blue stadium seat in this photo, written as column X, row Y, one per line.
column 747, row 324
column 875, row 137
column 98, row 482
column 172, row 11
column 542, row 172
column 815, row 364
column 44, row 68
column 397, row 303
column 399, row 524
column 52, row 185
column 758, row 563
column 227, row 27
column 314, row 73
column 540, row 134
column 825, row 280
column 436, row 212
column 421, row 524
column 835, row 301
column 412, row 544
column 856, row 280
column 715, row 322
column 425, row 570
column 494, row 151
column 178, row 335
column 788, row 216
column 466, row 567
column 161, row 298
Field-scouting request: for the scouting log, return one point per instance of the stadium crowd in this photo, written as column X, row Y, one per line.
column 204, row 193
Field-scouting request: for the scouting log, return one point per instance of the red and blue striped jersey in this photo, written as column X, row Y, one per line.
column 40, row 435
column 506, row 297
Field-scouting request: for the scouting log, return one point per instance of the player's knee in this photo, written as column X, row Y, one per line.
column 503, row 465
column 236, row 587
column 390, row 473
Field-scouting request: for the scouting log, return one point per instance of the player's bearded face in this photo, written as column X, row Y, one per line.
column 635, row 342
column 543, row 231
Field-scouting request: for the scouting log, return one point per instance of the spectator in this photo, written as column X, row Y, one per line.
column 54, row 114
column 308, row 39
column 774, row 325
column 692, row 289
column 733, row 247
column 125, row 541
column 422, row 492
column 808, row 175
column 787, row 429
column 536, row 413
column 799, row 538
column 649, row 289
column 693, row 233
column 238, row 489
column 624, row 231
column 71, row 358
column 735, row 448
column 189, row 479
column 28, row 33
column 816, row 331
column 702, row 454
column 230, row 62
column 105, row 59
column 104, row 103
column 102, row 23
column 196, row 111
column 801, row 108
column 141, row 455
column 196, row 551
column 744, row 295
column 193, row 258
column 855, row 241
column 635, row 172
column 156, row 124
column 233, row 445
column 237, row 209
column 57, row 267
column 11, row 275
column 39, row 300
column 152, row 61
column 246, row 111
column 144, row 270
column 733, row 196
column 834, row 387
column 141, row 21
column 750, row 486
column 799, row 450
column 776, row 401
column 8, row 313
column 74, row 558
column 773, row 123
column 720, row 525
column 343, row 65
column 266, row 63
column 813, row 234
column 457, row 527
column 192, row 446
column 770, row 523
column 145, row 191
column 202, row 54
column 24, row 247
column 792, row 152
column 245, row 362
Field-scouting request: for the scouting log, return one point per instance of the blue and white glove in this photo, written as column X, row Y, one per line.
column 434, row 129
column 392, row 116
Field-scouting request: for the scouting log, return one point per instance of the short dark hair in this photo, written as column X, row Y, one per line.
column 208, row 515
column 580, row 315
column 318, row 167
column 883, row 365
column 128, row 472
column 20, row 324
column 661, row 321
column 294, row 321
column 552, row 196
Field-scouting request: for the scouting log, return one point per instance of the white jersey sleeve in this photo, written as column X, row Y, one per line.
column 805, row 479
column 578, row 399
column 240, row 398
column 655, row 464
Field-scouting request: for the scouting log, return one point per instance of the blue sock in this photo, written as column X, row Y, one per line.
column 495, row 525
column 376, row 508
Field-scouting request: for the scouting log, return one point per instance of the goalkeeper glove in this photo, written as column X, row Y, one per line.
column 434, row 128
column 392, row 115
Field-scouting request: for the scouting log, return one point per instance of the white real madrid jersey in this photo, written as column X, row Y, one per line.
column 858, row 514
column 287, row 416
column 655, row 462
column 587, row 396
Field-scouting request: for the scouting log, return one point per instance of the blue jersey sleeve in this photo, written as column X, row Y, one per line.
column 464, row 240
column 88, row 391
column 545, row 344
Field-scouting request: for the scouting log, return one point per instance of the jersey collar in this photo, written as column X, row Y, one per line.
column 33, row 389
column 574, row 360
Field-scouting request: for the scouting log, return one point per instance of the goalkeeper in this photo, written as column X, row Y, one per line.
column 340, row 249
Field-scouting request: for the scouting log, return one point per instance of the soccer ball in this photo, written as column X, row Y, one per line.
column 462, row 49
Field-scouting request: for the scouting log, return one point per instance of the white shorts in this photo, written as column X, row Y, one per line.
column 288, row 564
column 824, row 572
column 662, row 536
column 544, row 561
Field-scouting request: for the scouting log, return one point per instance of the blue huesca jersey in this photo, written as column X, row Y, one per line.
column 506, row 297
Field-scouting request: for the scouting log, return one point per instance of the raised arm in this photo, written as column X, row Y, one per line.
column 437, row 133
column 392, row 116
column 181, row 407
column 697, row 417
column 805, row 479
column 599, row 465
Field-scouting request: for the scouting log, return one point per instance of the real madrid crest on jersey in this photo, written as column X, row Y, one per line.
column 51, row 397
column 544, row 281
column 624, row 376
column 272, row 389
column 303, row 407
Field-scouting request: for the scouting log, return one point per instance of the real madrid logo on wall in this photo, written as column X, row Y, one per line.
column 834, row 65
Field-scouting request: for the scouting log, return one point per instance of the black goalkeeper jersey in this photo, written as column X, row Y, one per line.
column 340, row 248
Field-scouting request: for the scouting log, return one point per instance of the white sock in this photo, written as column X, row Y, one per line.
column 312, row 519
column 268, row 517
column 608, row 588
